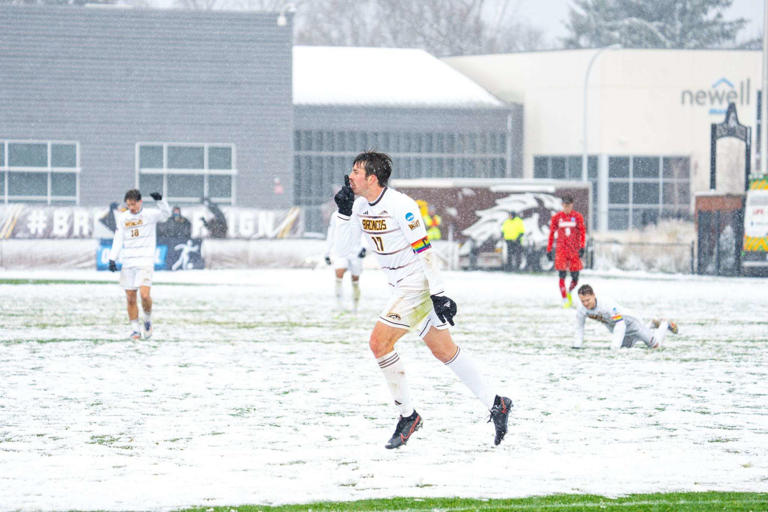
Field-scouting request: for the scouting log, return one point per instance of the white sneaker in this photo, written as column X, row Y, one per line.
column 146, row 329
column 135, row 335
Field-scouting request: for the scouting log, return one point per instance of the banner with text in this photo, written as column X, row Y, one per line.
column 29, row 221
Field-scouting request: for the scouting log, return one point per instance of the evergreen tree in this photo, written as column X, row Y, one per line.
column 651, row 24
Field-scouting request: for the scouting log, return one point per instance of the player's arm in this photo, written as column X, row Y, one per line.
column 579, row 339
column 411, row 224
column 330, row 238
column 619, row 329
column 551, row 239
column 164, row 210
column 117, row 242
column 347, row 223
column 582, row 232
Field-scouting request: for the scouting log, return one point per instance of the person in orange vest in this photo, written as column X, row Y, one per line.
column 432, row 222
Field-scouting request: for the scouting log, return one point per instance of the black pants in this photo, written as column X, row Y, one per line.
column 514, row 254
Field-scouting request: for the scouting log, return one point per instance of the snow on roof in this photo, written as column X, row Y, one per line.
column 338, row 75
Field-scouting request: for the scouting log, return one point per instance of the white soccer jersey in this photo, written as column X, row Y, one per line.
column 394, row 230
column 135, row 237
column 340, row 246
column 609, row 313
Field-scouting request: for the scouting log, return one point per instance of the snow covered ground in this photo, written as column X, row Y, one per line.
column 255, row 390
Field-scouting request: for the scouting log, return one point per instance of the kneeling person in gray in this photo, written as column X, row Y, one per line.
column 627, row 328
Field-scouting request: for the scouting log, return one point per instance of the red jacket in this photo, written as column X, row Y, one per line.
column 571, row 233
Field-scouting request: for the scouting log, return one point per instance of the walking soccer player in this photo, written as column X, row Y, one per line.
column 347, row 254
column 571, row 235
column 135, row 242
column 626, row 327
column 393, row 226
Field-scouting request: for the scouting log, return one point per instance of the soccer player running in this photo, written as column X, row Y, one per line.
column 391, row 222
column 134, row 242
column 347, row 254
column 626, row 327
column 571, row 235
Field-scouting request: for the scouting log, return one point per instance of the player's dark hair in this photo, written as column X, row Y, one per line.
column 378, row 164
column 133, row 194
column 568, row 199
column 585, row 289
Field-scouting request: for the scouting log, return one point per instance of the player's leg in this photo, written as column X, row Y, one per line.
column 128, row 278
column 339, row 270
column 573, row 284
column 438, row 338
column 146, row 306
column 561, row 274
column 133, row 313
column 382, row 344
column 355, row 291
column 144, row 278
column 355, row 269
column 637, row 331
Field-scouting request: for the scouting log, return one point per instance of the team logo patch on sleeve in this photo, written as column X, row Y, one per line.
column 421, row 245
column 413, row 225
column 409, row 216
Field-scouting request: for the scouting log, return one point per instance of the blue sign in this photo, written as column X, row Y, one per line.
column 105, row 244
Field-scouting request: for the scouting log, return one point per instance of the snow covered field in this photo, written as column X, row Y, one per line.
column 255, row 390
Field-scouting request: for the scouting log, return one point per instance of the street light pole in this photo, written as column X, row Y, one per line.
column 584, row 132
column 764, row 96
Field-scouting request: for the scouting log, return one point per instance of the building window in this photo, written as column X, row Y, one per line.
column 644, row 189
column 322, row 156
column 39, row 171
column 568, row 168
column 185, row 173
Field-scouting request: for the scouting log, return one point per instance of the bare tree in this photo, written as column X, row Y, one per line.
column 442, row 27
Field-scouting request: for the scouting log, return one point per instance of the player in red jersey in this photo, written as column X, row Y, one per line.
column 571, row 235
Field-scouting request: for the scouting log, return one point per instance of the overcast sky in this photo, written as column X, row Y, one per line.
column 549, row 16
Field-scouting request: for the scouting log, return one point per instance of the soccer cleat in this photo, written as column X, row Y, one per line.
column 567, row 301
column 147, row 329
column 672, row 326
column 135, row 335
column 403, row 431
column 500, row 416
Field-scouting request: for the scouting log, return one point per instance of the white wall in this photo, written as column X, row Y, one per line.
column 636, row 103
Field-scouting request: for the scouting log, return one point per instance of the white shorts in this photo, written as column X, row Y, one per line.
column 133, row 278
column 410, row 306
column 353, row 263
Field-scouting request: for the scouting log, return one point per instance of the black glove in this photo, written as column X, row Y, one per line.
column 156, row 196
column 581, row 252
column 345, row 198
column 549, row 255
column 445, row 308
column 112, row 266
column 327, row 260
column 361, row 254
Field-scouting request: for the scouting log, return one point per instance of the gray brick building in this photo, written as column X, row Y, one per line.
column 94, row 101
